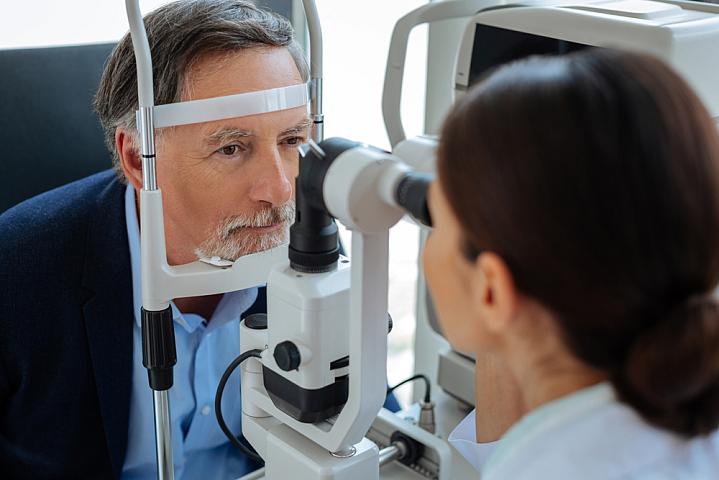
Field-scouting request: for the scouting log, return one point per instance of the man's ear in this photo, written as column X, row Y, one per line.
column 495, row 296
column 129, row 154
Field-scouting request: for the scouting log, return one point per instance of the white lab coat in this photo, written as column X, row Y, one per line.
column 588, row 435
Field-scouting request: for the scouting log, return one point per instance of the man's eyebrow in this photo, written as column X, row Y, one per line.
column 224, row 134
column 301, row 127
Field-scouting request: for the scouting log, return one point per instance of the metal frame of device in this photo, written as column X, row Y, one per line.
column 683, row 33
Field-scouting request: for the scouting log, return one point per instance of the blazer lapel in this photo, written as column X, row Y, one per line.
column 108, row 316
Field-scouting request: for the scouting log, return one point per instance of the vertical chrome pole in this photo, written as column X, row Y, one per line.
column 146, row 129
column 158, row 340
column 163, row 432
column 163, row 437
column 318, row 118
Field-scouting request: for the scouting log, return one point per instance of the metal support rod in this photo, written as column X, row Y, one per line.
column 146, row 131
column 163, row 437
column 394, row 452
column 318, row 118
column 315, row 30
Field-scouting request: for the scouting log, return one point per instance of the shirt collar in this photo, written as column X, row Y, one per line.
column 464, row 439
column 536, row 423
column 230, row 307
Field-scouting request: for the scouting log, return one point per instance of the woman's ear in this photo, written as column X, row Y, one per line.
column 495, row 297
column 129, row 155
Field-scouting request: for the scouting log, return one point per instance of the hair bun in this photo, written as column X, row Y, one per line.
column 671, row 372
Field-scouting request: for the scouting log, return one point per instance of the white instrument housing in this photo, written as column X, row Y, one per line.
column 684, row 34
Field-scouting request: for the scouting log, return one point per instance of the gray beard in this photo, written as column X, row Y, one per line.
column 230, row 240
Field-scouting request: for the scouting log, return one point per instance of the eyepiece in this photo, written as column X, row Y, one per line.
column 314, row 244
column 412, row 193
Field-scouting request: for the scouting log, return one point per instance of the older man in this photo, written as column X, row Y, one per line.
column 74, row 397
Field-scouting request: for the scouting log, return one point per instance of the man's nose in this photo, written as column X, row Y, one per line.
column 272, row 184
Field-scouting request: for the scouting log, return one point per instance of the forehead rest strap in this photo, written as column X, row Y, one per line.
column 231, row 106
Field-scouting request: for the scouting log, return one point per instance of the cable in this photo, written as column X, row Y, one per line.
column 427, row 395
column 218, row 404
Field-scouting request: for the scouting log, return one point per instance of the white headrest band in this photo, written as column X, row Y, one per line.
column 230, row 106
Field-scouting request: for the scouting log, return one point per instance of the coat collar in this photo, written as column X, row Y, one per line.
column 108, row 316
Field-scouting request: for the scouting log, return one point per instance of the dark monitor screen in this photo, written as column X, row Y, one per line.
column 495, row 46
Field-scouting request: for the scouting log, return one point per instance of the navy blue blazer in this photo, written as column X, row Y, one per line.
column 66, row 333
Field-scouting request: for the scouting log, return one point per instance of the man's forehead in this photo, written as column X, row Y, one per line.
column 249, row 70
column 255, row 76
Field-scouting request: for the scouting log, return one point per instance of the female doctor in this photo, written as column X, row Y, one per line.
column 576, row 245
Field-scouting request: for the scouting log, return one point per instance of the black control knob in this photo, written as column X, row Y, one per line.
column 287, row 356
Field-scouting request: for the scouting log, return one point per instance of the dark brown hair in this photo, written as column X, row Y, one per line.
column 594, row 176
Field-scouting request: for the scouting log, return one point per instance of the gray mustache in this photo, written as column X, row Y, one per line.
column 261, row 218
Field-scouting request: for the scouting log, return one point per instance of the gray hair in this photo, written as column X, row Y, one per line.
column 179, row 33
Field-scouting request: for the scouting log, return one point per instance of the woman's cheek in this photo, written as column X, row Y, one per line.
column 439, row 280
column 429, row 261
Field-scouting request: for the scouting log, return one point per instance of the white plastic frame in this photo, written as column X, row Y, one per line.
column 231, row 106
column 432, row 12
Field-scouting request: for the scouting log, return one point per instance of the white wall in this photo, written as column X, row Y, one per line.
column 39, row 23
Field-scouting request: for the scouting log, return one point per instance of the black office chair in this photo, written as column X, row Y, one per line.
column 49, row 133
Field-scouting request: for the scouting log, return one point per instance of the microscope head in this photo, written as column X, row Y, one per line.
column 306, row 367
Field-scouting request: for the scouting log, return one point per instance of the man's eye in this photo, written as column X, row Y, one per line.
column 295, row 140
column 230, row 150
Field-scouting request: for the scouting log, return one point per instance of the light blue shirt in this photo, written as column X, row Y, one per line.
column 204, row 350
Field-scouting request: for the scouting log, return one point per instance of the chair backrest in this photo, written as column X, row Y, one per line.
column 49, row 133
